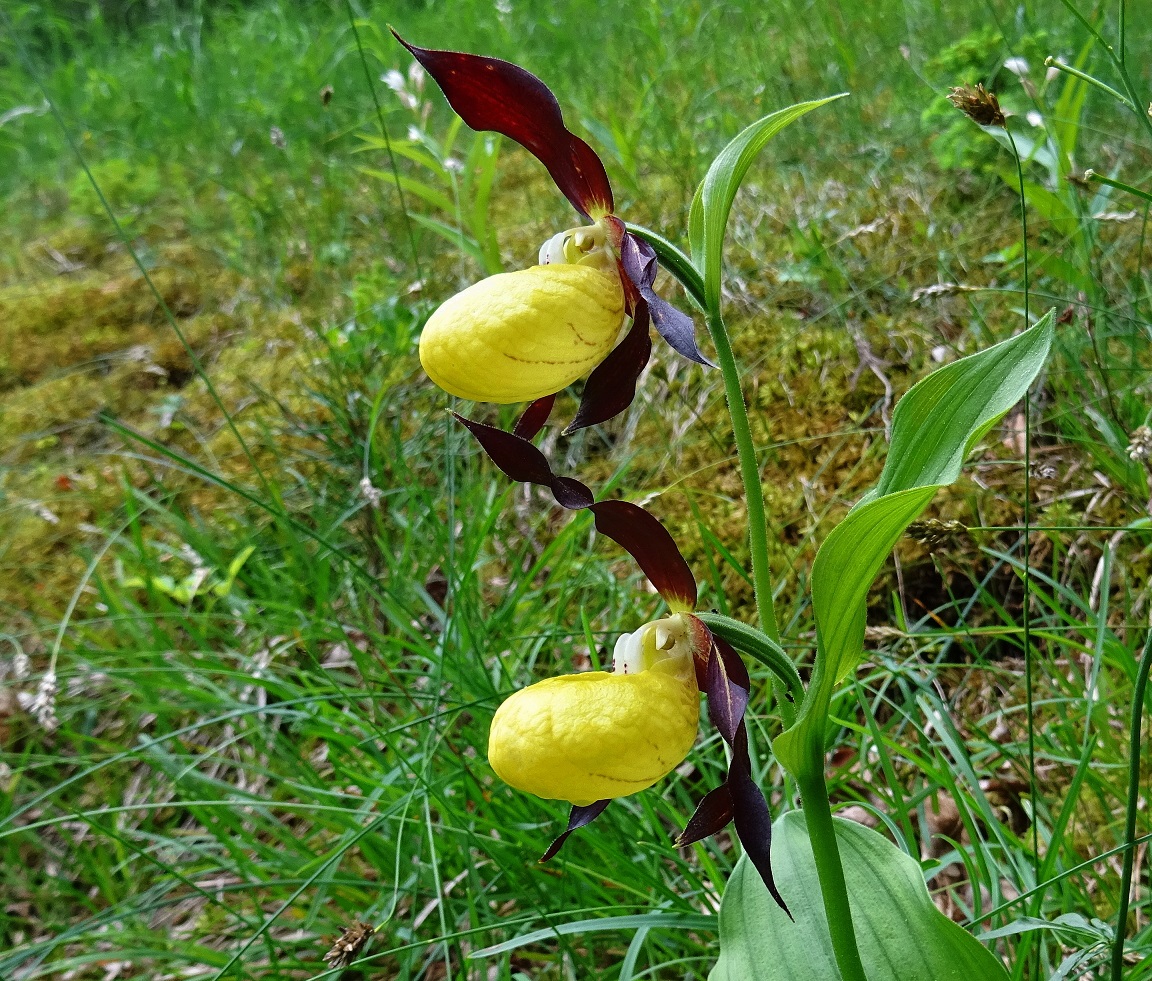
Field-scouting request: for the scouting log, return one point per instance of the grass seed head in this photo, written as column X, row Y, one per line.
column 978, row 104
column 348, row 945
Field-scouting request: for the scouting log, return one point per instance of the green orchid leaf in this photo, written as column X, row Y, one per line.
column 934, row 426
column 712, row 203
column 902, row 936
column 942, row 416
column 845, row 567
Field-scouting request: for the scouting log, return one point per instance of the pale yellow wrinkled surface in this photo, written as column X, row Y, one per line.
column 518, row 336
column 591, row 736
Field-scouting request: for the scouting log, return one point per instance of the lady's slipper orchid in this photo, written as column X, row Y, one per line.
column 598, row 734
column 523, row 335
column 590, row 737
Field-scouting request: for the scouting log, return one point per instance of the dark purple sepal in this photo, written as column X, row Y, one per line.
column 638, row 260
column 520, row 460
column 611, row 387
column 642, row 536
column 491, row 94
column 712, row 814
column 529, row 424
column 751, row 816
column 579, row 818
column 738, row 799
column 727, row 689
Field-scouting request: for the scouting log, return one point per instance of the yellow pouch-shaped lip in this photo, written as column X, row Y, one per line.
column 518, row 336
column 595, row 735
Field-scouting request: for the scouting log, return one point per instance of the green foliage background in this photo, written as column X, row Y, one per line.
column 274, row 686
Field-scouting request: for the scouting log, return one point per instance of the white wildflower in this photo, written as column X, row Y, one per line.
column 1140, row 443
column 370, row 493
column 42, row 705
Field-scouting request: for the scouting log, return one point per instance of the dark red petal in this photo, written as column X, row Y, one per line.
column 710, row 816
column 727, row 698
column 534, row 417
column 751, row 816
column 611, row 387
column 490, row 94
column 520, row 460
column 639, row 262
column 649, row 543
column 629, row 525
column 579, row 818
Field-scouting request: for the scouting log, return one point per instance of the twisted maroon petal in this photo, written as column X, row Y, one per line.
column 751, row 816
column 532, row 421
column 520, row 460
column 490, row 94
column 579, row 817
column 611, row 387
column 639, row 533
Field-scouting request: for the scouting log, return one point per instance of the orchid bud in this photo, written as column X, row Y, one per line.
column 598, row 734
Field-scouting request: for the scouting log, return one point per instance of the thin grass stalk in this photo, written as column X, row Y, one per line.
column 1027, row 624
column 1133, row 806
column 387, row 141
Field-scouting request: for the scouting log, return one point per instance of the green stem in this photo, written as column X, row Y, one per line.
column 1130, row 817
column 1091, row 175
column 674, row 261
column 750, row 472
column 826, row 851
column 748, row 640
column 1090, row 79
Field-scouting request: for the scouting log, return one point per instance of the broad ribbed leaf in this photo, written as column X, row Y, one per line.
column 842, row 574
column 713, row 201
column 902, row 936
column 944, row 415
column 933, row 427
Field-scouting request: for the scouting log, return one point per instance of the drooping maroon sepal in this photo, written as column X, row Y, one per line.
column 579, row 818
column 738, row 799
column 751, row 816
column 712, row 814
column 638, row 260
column 611, row 387
column 490, row 94
column 639, row 533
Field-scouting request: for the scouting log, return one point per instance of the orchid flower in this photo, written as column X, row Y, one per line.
column 524, row 335
column 590, row 737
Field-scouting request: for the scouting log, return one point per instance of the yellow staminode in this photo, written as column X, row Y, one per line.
column 597, row 735
column 518, row 336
